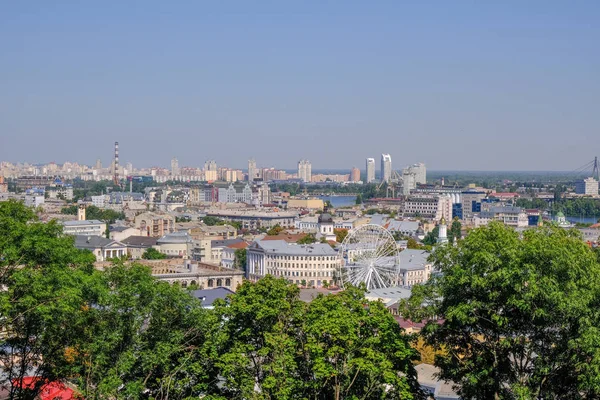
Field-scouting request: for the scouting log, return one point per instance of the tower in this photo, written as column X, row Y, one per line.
column 81, row 212
column 304, row 170
column 174, row 167
column 116, row 166
column 443, row 232
column 251, row 169
column 386, row 167
column 370, row 169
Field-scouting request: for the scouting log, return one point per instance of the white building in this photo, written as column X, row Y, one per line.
column 314, row 263
column 304, row 170
column 370, row 168
column 91, row 227
column 98, row 201
column 511, row 216
column 408, row 182
column 434, row 207
column 414, row 267
column 231, row 195
column 588, row 186
column 32, row 200
column 103, row 248
column 175, row 167
column 420, row 172
column 386, row 167
column 251, row 169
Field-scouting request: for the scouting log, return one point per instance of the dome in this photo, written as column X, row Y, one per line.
column 560, row 214
column 325, row 218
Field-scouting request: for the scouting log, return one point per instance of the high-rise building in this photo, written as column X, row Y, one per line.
column 210, row 165
column 304, row 170
column 251, row 169
column 587, row 186
column 420, row 172
column 174, row 167
column 355, row 175
column 370, row 170
column 386, row 167
column 98, row 164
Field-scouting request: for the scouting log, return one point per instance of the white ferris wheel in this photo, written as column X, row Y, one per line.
column 369, row 255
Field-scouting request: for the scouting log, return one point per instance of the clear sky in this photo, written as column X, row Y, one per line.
column 461, row 85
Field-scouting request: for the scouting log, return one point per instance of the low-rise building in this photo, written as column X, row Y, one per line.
column 414, row 267
column 154, row 224
column 137, row 245
column 306, row 204
column 254, row 219
column 315, row 264
column 103, row 248
column 511, row 216
column 433, row 207
column 176, row 244
column 91, row 227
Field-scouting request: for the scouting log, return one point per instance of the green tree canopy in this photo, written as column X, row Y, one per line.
column 520, row 314
column 307, row 239
column 152, row 254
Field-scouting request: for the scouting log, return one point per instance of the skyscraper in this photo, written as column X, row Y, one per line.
column 210, row 165
column 251, row 169
column 386, row 167
column 370, row 170
column 304, row 170
column 355, row 175
column 174, row 167
column 420, row 172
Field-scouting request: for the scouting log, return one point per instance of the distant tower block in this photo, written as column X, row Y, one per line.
column 81, row 212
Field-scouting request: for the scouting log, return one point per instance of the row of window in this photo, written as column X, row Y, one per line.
column 307, row 274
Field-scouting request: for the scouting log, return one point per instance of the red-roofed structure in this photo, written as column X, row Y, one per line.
column 50, row 391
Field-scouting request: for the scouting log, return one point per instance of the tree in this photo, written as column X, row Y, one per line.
column 43, row 276
column 455, row 232
column 355, row 349
column 274, row 231
column 359, row 199
column 520, row 315
column 152, row 254
column 303, row 283
column 212, row 221
column 260, row 345
column 413, row 244
column 307, row 239
column 338, row 346
column 340, row 234
column 142, row 336
column 240, row 259
column 431, row 238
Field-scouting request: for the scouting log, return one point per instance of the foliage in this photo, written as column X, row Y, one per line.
column 340, row 234
column 307, row 239
column 455, row 231
column 274, row 231
column 240, row 259
column 520, row 315
column 93, row 212
column 431, row 238
column 359, row 199
column 337, row 346
column 212, row 221
column 413, row 244
column 152, row 254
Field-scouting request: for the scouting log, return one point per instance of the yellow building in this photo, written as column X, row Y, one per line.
column 310, row 204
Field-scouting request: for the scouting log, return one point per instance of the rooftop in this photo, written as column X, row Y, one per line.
column 282, row 247
column 208, row 296
column 140, row 241
column 82, row 223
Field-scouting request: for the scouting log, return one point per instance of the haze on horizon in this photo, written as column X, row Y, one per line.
column 458, row 85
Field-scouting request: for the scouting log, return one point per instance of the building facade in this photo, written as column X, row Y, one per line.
column 370, row 169
column 315, row 264
column 355, row 175
column 305, row 170
column 386, row 167
column 588, row 186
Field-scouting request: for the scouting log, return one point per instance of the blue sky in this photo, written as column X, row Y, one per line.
column 460, row 85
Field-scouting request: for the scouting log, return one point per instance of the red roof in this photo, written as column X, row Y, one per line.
column 239, row 245
column 50, row 391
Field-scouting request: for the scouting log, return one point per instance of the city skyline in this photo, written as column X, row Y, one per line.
column 459, row 86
